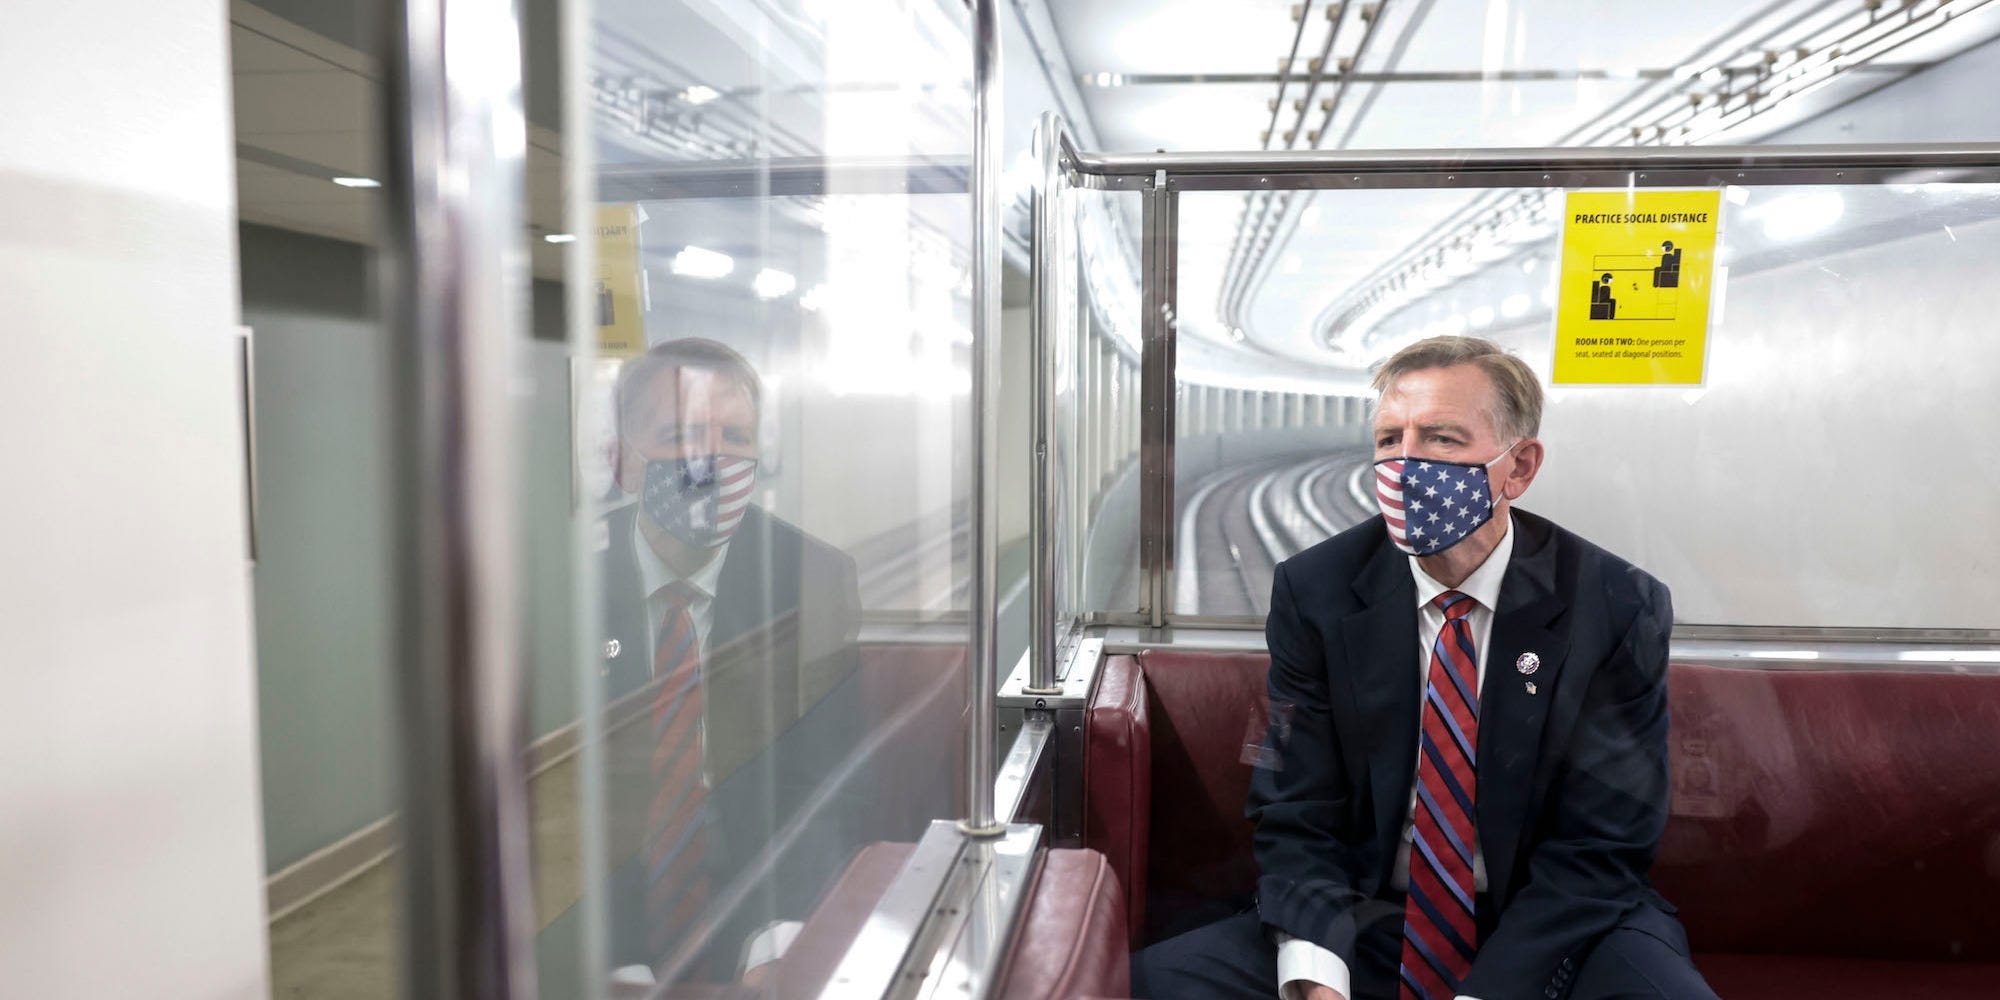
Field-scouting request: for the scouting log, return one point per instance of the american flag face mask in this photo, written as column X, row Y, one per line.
column 1431, row 505
column 699, row 500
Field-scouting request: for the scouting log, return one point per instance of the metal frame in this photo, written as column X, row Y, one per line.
column 1046, row 257
column 1161, row 252
column 457, row 288
column 981, row 734
column 1160, row 177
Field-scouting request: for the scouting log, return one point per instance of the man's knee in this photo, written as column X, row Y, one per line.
column 1632, row 964
column 1228, row 958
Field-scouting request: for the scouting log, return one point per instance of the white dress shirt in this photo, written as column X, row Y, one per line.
column 1302, row 962
column 656, row 576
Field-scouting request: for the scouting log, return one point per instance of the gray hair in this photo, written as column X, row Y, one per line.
column 1517, row 394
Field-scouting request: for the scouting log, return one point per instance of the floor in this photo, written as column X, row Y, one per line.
column 345, row 943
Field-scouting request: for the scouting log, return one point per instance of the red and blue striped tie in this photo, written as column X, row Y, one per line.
column 1439, row 935
column 676, row 828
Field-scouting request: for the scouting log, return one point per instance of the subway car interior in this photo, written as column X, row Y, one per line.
column 940, row 498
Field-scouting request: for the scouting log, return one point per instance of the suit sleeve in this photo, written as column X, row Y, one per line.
column 1608, row 808
column 1301, row 801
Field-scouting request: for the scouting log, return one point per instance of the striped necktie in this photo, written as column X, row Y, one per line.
column 677, row 824
column 1439, row 935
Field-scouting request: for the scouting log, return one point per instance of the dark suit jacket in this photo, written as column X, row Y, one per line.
column 1572, row 784
column 782, row 712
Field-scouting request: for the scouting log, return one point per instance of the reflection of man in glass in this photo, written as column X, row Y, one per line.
column 729, row 673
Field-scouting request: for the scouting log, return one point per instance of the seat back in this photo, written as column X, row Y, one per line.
column 1204, row 710
column 1815, row 812
column 1835, row 812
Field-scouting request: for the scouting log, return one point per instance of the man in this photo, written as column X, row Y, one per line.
column 729, row 645
column 1468, row 776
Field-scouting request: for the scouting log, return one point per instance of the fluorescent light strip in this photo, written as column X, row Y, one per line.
column 701, row 262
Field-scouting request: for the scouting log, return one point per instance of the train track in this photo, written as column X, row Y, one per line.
column 1238, row 523
column 1233, row 528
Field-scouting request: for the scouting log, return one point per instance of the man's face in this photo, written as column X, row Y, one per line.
column 1447, row 413
column 1442, row 413
column 686, row 413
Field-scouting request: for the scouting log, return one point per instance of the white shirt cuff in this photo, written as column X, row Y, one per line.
column 771, row 943
column 1302, row 962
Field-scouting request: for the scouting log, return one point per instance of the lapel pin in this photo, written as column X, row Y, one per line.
column 1528, row 663
column 1531, row 687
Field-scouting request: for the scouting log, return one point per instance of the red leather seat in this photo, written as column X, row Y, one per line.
column 1831, row 831
column 1071, row 941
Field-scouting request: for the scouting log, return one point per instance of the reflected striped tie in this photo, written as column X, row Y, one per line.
column 677, row 823
column 1439, row 935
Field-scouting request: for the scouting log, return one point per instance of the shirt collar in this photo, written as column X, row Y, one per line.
column 1484, row 583
column 654, row 572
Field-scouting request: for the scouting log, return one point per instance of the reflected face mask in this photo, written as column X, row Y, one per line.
column 1431, row 505
column 699, row 500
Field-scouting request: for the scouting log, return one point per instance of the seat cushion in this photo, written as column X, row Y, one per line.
column 1814, row 977
column 1071, row 942
column 1118, row 774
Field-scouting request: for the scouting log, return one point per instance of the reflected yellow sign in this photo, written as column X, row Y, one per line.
column 1638, row 275
column 620, row 289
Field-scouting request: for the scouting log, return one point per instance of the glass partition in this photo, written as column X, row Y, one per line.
column 1102, row 424
column 1746, row 492
column 776, row 476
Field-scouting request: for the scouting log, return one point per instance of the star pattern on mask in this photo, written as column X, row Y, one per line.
column 1467, row 504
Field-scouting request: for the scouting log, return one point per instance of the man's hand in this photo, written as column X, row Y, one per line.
column 1315, row 991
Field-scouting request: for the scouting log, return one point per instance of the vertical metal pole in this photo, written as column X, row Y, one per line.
column 455, row 272
column 983, row 684
column 1156, row 397
column 1046, row 250
column 579, row 166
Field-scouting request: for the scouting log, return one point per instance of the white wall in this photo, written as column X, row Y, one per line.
column 1838, row 468
column 129, row 845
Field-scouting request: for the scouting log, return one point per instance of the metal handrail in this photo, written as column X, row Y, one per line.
column 1847, row 164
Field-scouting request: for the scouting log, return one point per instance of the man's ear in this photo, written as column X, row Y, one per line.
column 628, row 470
column 1528, row 457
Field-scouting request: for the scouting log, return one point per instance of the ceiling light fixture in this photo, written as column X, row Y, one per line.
column 357, row 182
column 559, row 238
column 1796, row 216
column 700, row 262
column 771, row 283
column 700, row 94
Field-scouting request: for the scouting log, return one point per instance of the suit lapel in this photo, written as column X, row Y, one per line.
column 1510, row 718
column 743, row 590
column 627, row 656
column 1380, row 643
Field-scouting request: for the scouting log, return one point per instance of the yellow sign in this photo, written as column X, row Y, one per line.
column 1637, row 278
column 620, row 290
